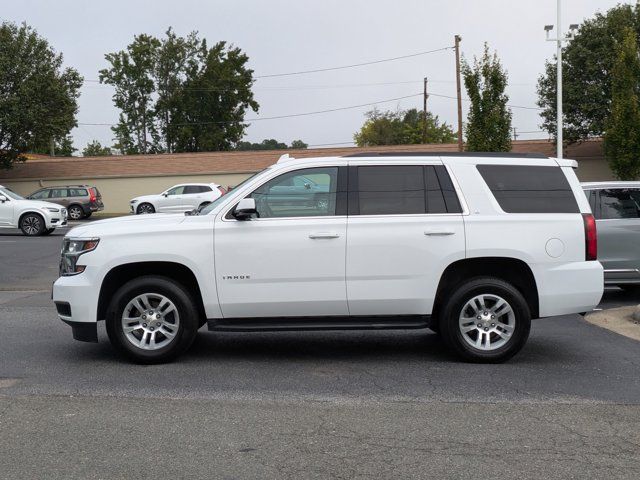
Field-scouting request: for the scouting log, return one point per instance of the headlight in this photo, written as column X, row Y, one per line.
column 72, row 249
column 50, row 209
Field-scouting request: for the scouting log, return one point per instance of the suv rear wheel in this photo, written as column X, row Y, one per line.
column 152, row 319
column 32, row 224
column 75, row 212
column 485, row 320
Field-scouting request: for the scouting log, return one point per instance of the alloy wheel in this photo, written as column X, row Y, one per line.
column 150, row 321
column 487, row 322
column 75, row 213
column 31, row 225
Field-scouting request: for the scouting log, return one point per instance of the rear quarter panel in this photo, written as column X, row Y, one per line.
column 552, row 244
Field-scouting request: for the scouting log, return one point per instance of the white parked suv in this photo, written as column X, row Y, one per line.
column 178, row 199
column 33, row 217
column 472, row 246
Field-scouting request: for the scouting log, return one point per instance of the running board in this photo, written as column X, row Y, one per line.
column 272, row 324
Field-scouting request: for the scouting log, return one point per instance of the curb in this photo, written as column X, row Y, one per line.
column 619, row 320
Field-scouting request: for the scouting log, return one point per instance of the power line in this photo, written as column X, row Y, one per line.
column 353, row 65
column 468, row 100
column 277, row 116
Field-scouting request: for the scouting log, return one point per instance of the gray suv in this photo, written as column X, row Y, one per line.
column 616, row 207
column 81, row 200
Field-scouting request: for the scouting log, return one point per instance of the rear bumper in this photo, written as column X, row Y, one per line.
column 567, row 288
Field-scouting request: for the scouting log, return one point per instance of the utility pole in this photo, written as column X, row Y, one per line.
column 425, row 96
column 515, row 134
column 560, row 38
column 459, row 89
column 52, row 147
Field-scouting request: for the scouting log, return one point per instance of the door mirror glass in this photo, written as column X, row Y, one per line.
column 245, row 209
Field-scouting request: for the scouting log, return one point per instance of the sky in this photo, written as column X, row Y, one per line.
column 281, row 36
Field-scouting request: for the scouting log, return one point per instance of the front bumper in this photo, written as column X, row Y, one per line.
column 76, row 300
column 57, row 219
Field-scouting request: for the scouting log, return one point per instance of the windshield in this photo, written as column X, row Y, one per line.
column 219, row 200
column 11, row 194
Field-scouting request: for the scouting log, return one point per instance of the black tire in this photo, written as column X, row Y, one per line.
column 185, row 306
column 48, row 231
column 202, row 205
column 32, row 225
column 75, row 212
column 145, row 208
column 87, row 215
column 451, row 311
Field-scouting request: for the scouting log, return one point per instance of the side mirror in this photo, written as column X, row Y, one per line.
column 3, row 198
column 165, row 194
column 245, row 208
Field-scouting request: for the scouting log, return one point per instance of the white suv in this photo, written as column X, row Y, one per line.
column 178, row 199
column 33, row 217
column 471, row 246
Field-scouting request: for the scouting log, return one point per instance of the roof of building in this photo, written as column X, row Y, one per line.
column 239, row 162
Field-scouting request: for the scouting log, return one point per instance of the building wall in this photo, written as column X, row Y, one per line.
column 117, row 191
column 120, row 178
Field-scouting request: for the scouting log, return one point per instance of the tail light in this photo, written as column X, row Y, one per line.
column 590, row 237
column 92, row 194
column 222, row 190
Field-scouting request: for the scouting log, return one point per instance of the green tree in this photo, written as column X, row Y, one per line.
column 488, row 127
column 299, row 144
column 266, row 144
column 95, row 149
column 62, row 147
column 176, row 94
column 38, row 97
column 131, row 73
column 401, row 127
column 587, row 63
column 622, row 129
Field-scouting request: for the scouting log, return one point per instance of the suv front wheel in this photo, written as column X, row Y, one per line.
column 152, row 319
column 32, row 225
column 485, row 320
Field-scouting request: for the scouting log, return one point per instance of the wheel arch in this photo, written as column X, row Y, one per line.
column 34, row 211
column 76, row 204
column 512, row 270
column 121, row 274
column 155, row 208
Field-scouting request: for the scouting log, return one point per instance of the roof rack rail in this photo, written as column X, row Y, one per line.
column 448, row 154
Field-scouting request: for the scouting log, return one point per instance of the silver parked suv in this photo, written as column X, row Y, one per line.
column 80, row 200
column 616, row 207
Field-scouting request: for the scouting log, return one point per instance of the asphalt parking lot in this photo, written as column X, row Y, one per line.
column 312, row 405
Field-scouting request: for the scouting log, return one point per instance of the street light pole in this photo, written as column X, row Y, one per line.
column 559, row 40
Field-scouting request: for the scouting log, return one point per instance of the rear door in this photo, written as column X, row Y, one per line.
column 404, row 227
column 59, row 196
column 617, row 215
column 193, row 196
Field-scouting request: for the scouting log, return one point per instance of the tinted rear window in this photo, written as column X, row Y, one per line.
column 529, row 189
column 402, row 190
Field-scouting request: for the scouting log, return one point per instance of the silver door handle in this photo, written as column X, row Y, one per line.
column 438, row 233
column 324, row 235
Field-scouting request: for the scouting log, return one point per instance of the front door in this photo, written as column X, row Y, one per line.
column 405, row 226
column 289, row 262
column 172, row 200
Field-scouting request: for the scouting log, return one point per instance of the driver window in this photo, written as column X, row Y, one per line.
column 303, row 193
column 176, row 190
